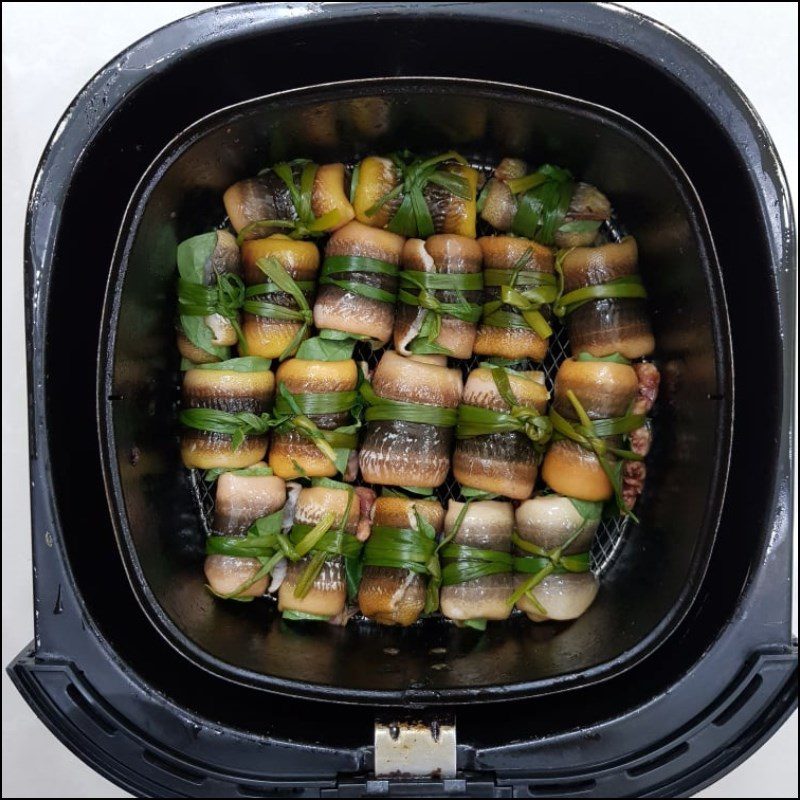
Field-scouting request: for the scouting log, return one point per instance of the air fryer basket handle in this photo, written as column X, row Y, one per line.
column 746, row 713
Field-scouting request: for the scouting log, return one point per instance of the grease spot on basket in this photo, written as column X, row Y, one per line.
column 391, row 651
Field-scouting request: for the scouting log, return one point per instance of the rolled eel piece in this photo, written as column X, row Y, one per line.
column 242, row 497
column 205, row 335
column 223, row 413
column 252, row 204
column 402, row 195
column 553, row 536
column 315, row 586
column 389, row 592
column 519, row 283
column 410, row 418
column 499, row 444
column 551, row 521
column 482, row 543
column 547, row 206
column 325, row 392
column 605, row 391
column 604, row 388
column 440, row 291
column 358, row 282
column 563, row 596
column 276, row 320
column 604, row 301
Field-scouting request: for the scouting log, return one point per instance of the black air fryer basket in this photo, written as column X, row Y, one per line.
column 685, row 663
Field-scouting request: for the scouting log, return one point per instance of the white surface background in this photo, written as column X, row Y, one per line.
column 49, row 51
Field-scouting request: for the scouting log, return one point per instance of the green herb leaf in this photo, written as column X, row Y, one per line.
column 477, row 494
column 405, row 491
column 344, row 272
column 244, row 364
column 380, row 408
column 303, row 616
column 589, row 434
column 211, row 475
column 325, row 348
column 237, row 426
column 353, row 568
column 614, row 358
column 201, row 336
column 627, row 286
column 580, row 226
column 413, row 217
column 194, row 256
column 478, row 624
column 587, row 509
column 542, row 206
column 474, row 421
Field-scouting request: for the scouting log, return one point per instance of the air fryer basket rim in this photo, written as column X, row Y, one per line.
column 114, row 491
column 75, row 643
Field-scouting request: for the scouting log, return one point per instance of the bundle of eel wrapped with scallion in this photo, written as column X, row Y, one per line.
column 477, row 565
column 400, row 560
column 439, row 297
column 236, row 556
column 224, row 417
column 410, row 416
column 590, row 416
column 210, row 292
column 316, row 412
column 552, row 538
column 327, row 537
column 604, row 300
column 416, row 196
column 280, row 275
column 547, row 205
column 358, row 283
column 502, row 431
column 300, row 198
column 519, row 285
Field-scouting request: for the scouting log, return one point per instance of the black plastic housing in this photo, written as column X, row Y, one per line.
column 101, row 676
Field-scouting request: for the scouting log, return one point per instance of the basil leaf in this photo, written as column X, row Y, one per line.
column 614, row 358
column 353, row 568
column 476, row 624
column 477, row 494
column 342, row 458
column 201, row 336
column 587, row 509
column 211, row 475
column 329, row 483
column 580, row 226
column 244, row 364
column 194, row 255
column 326, row 348
column 404, row 491
column 303, row 616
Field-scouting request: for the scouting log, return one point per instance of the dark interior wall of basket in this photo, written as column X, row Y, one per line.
column 199, row 85
column 660, row 560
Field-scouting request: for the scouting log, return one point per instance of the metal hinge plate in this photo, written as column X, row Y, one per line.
column 415, row 749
